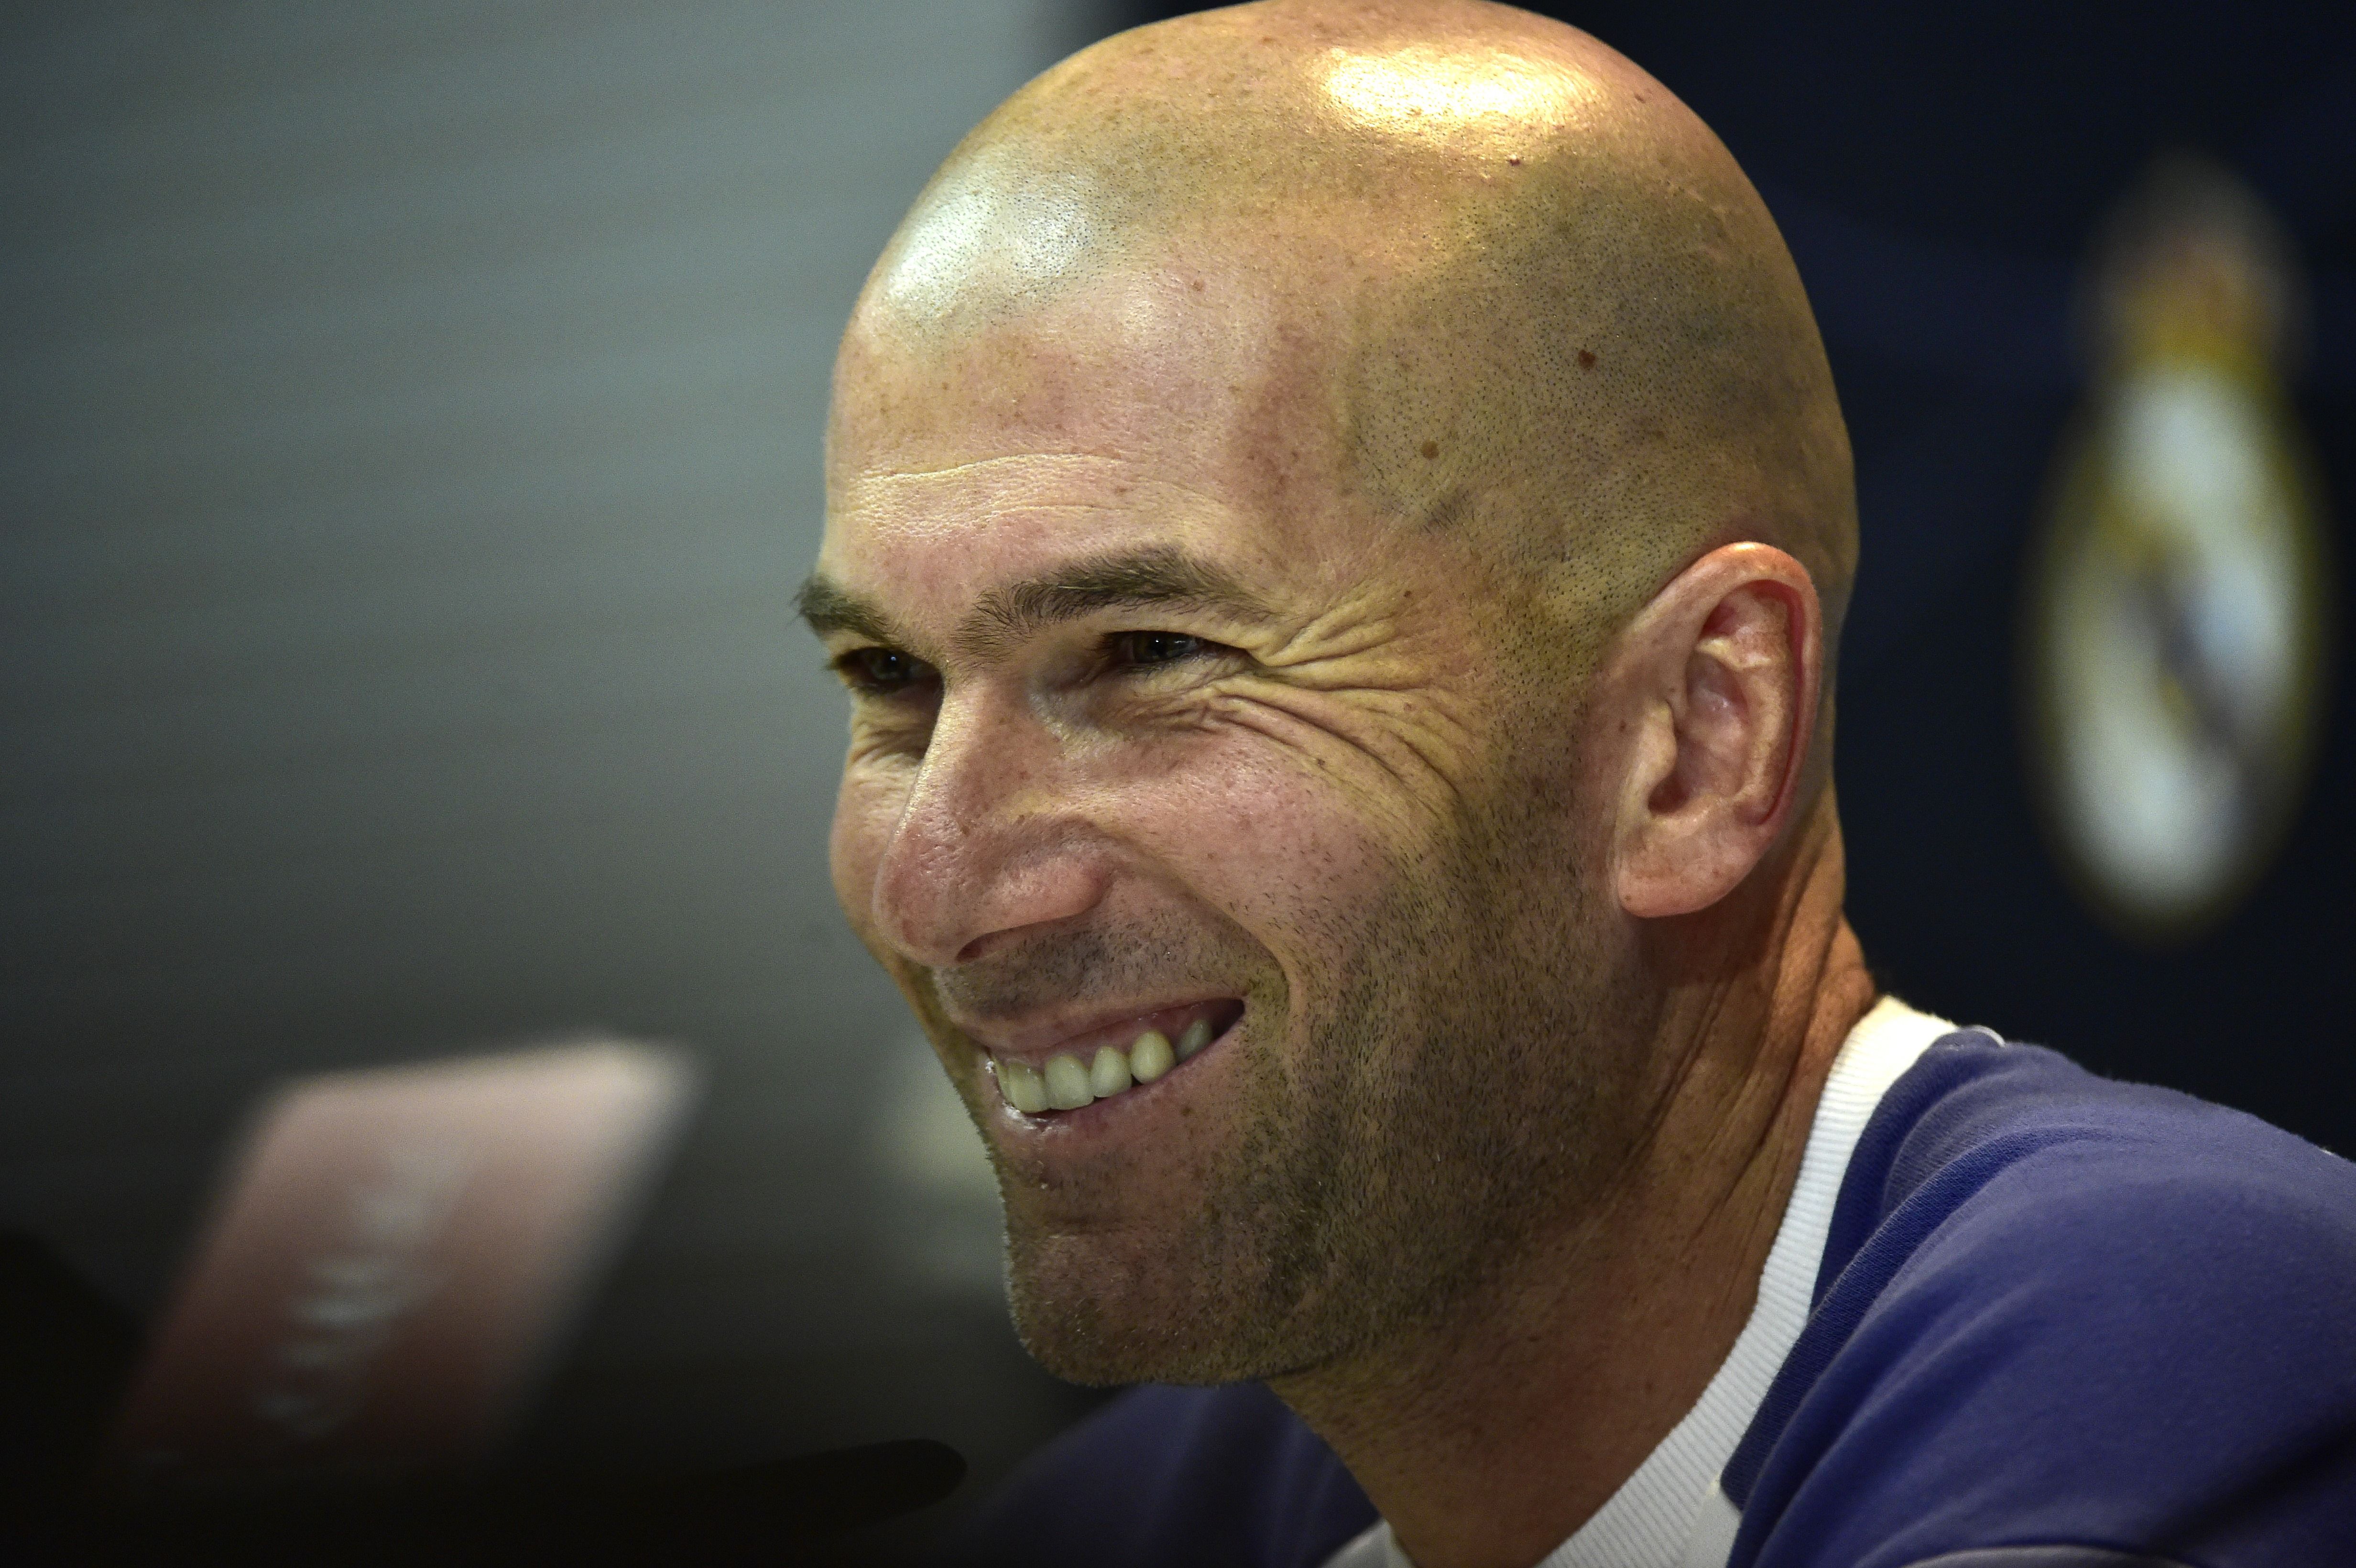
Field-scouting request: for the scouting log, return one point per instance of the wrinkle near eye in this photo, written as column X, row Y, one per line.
column 1408, row 731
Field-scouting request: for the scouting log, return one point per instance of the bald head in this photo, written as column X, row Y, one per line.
column 1467, row 266
column 1328, row 510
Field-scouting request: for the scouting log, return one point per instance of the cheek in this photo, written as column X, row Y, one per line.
column 1272, row 844
column 866, row 809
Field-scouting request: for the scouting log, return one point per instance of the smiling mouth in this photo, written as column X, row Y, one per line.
column 1068, row 1081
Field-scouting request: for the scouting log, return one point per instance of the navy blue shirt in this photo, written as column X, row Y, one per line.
column 2052, row 1311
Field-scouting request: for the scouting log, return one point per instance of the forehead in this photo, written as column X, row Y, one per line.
column 1183, row 403
column 1178, row 353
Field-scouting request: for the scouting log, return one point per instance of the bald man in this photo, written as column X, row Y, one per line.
column 1338, row 526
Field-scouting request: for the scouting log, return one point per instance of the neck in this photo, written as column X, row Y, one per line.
column 1486, row 1440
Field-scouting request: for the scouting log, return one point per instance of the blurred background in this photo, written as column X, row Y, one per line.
column 409, row 446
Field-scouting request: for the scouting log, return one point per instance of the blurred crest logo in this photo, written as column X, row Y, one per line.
column 2179, row 611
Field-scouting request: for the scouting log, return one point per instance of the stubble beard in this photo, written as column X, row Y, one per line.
column 1470, row 1084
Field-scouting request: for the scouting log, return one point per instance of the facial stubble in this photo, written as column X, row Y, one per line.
column 1453, row 1077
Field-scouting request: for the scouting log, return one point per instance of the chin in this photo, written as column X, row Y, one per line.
column 1092, row 1315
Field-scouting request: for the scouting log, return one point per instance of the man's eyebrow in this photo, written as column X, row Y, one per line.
column 1159, row 576
column 828, row 606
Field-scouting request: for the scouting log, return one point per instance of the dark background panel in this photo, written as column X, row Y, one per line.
column 410, row 427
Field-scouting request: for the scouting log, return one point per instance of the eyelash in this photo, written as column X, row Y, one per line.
column 1174, row 647
column 859, row 671
column 862, row 670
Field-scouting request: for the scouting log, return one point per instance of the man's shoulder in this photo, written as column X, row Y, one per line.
column 2007, row 1168
column 1175, row 1475
column 2057, row 1307
column 2014, row 1146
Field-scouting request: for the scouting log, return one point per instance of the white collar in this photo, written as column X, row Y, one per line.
column 1670, row 1513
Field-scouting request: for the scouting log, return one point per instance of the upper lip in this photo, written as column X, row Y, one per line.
column 1059, row 1030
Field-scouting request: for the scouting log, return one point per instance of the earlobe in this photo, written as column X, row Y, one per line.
column 1721, row 672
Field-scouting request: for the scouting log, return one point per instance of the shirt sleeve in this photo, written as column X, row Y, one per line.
column 2132, row 1334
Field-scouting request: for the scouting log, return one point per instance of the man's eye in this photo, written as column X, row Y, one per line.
column 1146, row 649
column 882, row 671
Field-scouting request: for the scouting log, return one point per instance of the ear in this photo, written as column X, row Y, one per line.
column 1714, row 688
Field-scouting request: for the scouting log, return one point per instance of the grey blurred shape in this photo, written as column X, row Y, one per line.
column 409, row 444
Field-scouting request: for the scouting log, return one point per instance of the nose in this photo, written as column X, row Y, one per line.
column 989, row 842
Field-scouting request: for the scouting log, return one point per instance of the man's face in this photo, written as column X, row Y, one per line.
column 1157, row 727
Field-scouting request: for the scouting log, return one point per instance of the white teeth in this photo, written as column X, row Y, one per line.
column 1067, row 1083
column 1019, row 1085
column 1109, row 1073
column 1149, row 1057
column 1197, row 1036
